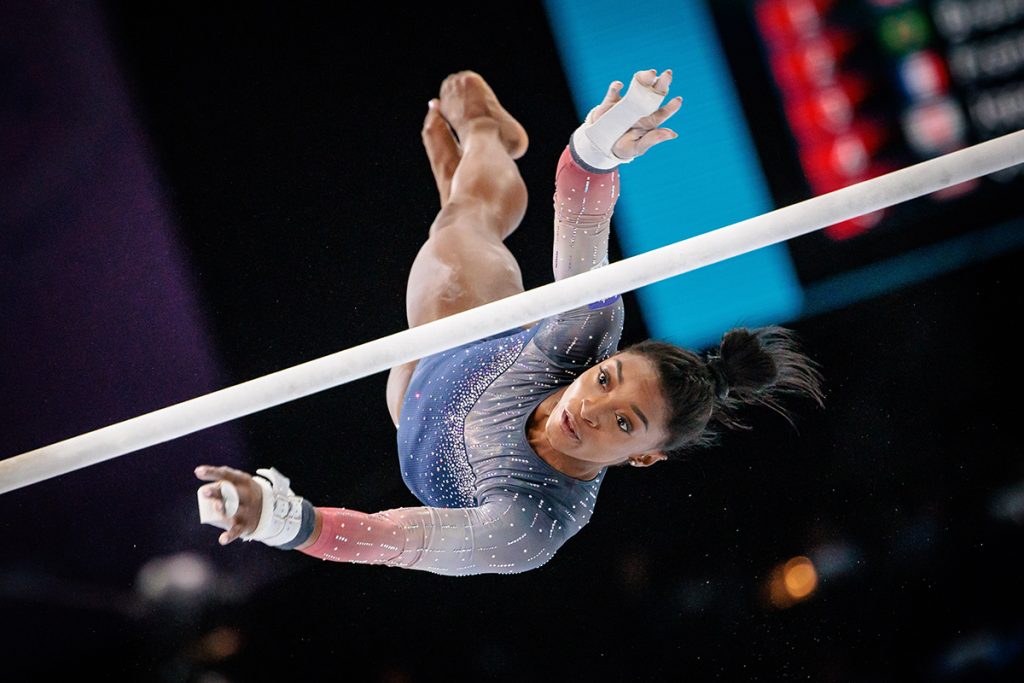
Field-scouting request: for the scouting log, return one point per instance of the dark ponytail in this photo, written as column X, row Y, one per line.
column 759, row 366
column 750, row 367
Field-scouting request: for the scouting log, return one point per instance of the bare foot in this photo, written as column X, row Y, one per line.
column 466, row 96
column 442, row 149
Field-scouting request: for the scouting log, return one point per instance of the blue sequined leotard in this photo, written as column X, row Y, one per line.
column 490, row 503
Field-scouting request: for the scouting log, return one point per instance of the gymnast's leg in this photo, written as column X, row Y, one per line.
column 464, row 262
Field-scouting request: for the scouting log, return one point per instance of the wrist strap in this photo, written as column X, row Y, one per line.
column 305, row 529
column 281, row 517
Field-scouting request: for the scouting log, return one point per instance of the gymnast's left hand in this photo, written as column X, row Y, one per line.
column 250, row 499
column 646, row 132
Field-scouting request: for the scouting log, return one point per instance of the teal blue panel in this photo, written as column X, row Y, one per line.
column 708, row 177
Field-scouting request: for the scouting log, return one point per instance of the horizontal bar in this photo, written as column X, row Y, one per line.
column 602, row 283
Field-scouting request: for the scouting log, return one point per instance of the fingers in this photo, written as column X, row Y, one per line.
column 614, row 93
column 654, row 121
column 646, row 76
column 212, row 491
column 661, row 115
column 652, row 138
column 244, row 482
column 662, row 82
column 231, row 534
column 210, row 473
column 650, row 78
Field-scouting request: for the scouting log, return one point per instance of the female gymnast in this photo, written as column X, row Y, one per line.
column 506, row 440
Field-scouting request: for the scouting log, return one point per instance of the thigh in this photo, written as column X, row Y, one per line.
column 458, row 268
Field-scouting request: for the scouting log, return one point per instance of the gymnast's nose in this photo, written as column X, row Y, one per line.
column 586, row 412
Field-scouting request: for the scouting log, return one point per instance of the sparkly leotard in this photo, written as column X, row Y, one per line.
column 491, row 504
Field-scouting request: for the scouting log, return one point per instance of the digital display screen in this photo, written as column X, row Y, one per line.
column 871, row 86
column 789, row 99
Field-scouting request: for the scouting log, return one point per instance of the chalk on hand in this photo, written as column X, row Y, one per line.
column 208, row 513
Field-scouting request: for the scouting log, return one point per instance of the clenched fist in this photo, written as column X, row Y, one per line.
column 250, row 499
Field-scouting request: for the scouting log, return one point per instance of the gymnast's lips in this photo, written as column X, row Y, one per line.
column 568, row 427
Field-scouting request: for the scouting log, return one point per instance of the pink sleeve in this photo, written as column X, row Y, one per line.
column 506, row 535
column 584, row 201
column 349, row 536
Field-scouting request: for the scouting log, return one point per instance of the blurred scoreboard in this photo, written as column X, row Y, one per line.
column 787, row 99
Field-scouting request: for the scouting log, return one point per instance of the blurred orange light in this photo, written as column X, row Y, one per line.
column 221, row 643
column 790, row 583
column 800, row 577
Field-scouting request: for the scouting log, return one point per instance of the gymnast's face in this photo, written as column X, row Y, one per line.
column 613, row 412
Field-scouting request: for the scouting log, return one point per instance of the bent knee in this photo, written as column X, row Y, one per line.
column 485, row 219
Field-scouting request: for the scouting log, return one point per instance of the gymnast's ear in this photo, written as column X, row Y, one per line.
column 647, row 459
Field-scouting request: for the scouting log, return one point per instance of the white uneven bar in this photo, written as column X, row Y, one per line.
column 372, row 357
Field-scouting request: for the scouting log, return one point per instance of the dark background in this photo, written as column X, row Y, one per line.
column 282, row 147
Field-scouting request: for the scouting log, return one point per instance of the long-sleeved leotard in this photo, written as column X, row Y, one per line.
column 490, row 503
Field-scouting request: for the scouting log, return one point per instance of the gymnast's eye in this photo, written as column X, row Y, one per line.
column 602, row 378
column 623, row 423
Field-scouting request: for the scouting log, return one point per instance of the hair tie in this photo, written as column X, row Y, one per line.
column 719, row 382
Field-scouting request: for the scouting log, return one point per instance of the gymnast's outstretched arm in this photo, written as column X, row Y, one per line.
column 507, row 533
column 587, row 185
column 616, row 131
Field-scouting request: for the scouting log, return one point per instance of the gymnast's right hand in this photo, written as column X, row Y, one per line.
column 250, row 499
